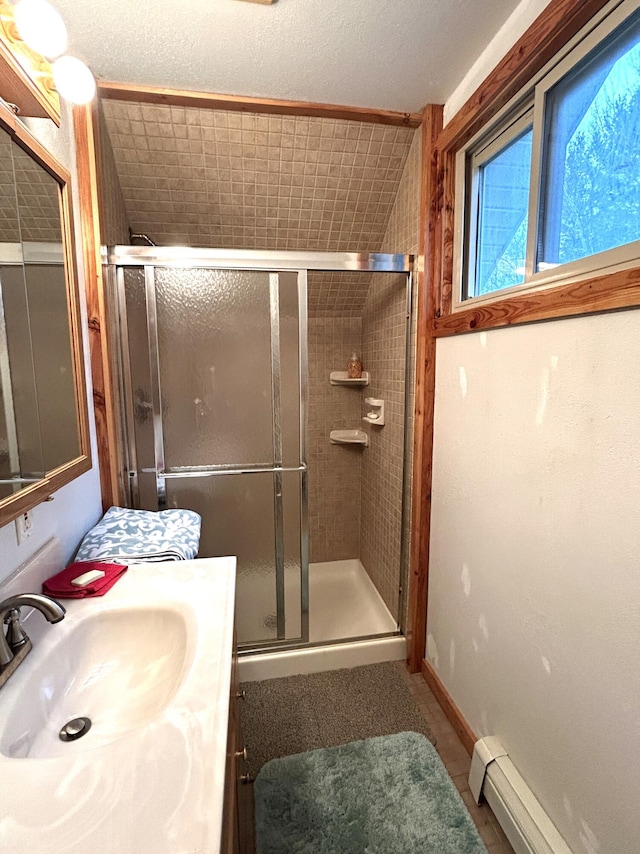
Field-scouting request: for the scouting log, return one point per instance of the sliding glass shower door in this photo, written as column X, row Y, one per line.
column 214, row 369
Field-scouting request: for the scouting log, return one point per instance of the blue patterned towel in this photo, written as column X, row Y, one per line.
column 136, row 536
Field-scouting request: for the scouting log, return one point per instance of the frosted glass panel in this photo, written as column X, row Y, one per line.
column 216, row 377
column 237, row 519
column 214, row 342
column 140, row 383
column 289, row 369
column 292, row 560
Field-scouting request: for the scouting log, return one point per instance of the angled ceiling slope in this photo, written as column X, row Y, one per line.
column 245, row 181
column 231, row 180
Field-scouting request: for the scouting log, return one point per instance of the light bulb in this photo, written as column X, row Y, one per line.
column 73, row 80
column 41, row 27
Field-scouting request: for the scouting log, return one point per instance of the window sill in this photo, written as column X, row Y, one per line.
column 604, row 292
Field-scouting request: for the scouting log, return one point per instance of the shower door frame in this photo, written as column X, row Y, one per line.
column 116, row 258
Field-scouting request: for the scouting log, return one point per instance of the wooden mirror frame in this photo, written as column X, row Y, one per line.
column 33, row 494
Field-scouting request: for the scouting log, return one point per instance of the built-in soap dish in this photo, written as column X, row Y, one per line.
column 349, row 437
column 375, row 415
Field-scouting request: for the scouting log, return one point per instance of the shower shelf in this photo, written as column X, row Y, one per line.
column 349, row 437
column 343, row 378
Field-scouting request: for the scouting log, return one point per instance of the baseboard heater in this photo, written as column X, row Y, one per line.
column 495, row 778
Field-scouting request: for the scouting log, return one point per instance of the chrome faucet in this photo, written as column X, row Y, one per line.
column 15, row 645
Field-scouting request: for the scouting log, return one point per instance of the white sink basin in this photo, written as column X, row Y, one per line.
column 149, row 664
column 119, row 668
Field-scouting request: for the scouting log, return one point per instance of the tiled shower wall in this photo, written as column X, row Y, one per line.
column 334, row 470
column 114, row 221
column 356, row 494
column 226, row 179
column 383, row 348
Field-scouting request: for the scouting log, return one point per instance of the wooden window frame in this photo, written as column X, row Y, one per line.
column 559, row 23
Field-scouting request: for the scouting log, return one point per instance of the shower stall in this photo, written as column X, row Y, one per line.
column 228, row 408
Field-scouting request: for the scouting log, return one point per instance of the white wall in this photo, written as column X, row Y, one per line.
column 515, row 25
column 76, row 507
column 534, row 585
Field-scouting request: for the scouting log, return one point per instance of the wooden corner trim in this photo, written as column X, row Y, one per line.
column 106, row 433
column 453, row 713
column 424, row 390
column 239, row 103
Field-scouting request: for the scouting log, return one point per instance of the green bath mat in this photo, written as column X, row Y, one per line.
column 384, row 795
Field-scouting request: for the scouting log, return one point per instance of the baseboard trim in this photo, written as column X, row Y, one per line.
column 464, row 731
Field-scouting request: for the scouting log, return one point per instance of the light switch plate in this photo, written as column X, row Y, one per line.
column 24, row 526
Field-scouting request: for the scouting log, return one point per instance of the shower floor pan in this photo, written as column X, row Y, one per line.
column 343, row 604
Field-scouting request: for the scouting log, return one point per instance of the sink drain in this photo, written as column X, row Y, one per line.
column 75, row 728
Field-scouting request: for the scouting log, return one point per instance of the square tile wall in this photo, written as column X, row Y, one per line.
column 114, row 222
column 334, row 294
column 38, row 200
column 375, row 473
column 383, row 347
column 234, row 180
column 334, row 470
column 9, row 225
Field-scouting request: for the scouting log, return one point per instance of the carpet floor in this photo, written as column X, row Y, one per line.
column 294, row 714
column 385, row 795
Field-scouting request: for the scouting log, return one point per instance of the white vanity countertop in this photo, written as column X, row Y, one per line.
column 158, row 788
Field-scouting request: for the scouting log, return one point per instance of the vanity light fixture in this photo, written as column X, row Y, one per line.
column 41, row 27
column 73, row 80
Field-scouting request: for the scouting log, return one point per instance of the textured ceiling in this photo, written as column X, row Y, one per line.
column 385, row 54
column 234, row 180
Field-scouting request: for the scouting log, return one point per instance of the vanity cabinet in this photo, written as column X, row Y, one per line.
column 232, row 813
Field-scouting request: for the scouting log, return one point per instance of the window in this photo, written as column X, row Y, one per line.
column 500, row 182
column 553, row 189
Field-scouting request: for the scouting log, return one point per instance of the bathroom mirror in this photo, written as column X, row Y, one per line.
column 44, row 438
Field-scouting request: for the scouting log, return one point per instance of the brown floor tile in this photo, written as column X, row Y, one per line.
column 457, row 762
column 461, row 782
column 488, row 835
